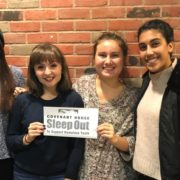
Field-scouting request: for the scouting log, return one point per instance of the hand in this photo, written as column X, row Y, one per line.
column 19, row 90
column 106, row 130
column 35, row 129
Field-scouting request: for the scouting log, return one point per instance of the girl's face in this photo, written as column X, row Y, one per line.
column 154, row 50
column 109, row 59
column 48, row 74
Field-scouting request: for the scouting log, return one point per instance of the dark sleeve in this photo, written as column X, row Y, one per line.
column 15, row 131
column 75, row 159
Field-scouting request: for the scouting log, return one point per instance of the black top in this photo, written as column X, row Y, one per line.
column 169, row 125
column 46, row 155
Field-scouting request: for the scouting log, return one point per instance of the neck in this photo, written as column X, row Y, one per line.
column 49, row 94
column 108, row 89
column 108, row 83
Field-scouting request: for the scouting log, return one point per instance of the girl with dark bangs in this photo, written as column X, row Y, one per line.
column 37, row 156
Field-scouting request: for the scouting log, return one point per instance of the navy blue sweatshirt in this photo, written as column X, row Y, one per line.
column 46, row 155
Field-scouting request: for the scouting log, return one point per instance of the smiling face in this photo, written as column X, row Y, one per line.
column 48, row 74
column 154, row 50
column 108, row 59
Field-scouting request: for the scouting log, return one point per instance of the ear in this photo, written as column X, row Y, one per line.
column 170, row 47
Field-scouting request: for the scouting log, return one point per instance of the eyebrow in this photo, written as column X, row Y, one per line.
column 155, row 39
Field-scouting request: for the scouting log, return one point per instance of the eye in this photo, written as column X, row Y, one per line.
column 40, row 66
column 53, row 65
column 142, row 47
column 102, row 55
column 115, row 55
column 155, row 43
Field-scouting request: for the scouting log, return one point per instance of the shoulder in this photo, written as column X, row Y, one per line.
column 73, row 94
column 174, row 82
column 74, row 98
column 83, row 82
column 24, row 98
column 132, row 91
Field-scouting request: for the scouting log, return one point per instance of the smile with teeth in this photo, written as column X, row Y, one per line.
column 150, row 61
column 108, row 68
column 48, row 78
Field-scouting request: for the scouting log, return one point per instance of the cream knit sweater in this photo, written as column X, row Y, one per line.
column 146, row 155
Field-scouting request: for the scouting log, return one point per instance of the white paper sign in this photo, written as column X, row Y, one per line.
column 71, row 122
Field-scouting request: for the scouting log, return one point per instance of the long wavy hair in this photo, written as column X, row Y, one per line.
column 6, row 81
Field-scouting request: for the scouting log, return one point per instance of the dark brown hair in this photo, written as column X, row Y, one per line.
column 6, row 81
column 47, row 52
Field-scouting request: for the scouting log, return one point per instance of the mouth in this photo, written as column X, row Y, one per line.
column 151, row 61
column 48, row 79
column 108, row 68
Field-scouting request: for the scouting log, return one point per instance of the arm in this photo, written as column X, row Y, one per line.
column 15, row 132
column 123, row 136
column 22, row 130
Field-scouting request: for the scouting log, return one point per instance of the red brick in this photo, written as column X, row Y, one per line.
column 177, row 48
column 108, row 12
column 56, row 3
column 24, row 26
column 78, row 60
column 57, row 26
column 177, row 35
column 91, row 25
column 124, row 24
column 132, row 60
column 142, row 12
column 74, row 13
column 74, row 37
column 132, row 72
column 72, row 72
column 66, row 48
column 42, row 37
column 130, row 36
column 17, row 60
column 2, row 4
column 90, row 3
column 125, row 2
column 174, row 22
column 171, row 11
column 161, row 2
column 83, row 49
column 40, row 14
column 6, row 49
column 12, row 38
column 133, row 49
column 80, row 72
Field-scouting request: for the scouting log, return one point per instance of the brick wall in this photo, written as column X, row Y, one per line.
column 73, row 25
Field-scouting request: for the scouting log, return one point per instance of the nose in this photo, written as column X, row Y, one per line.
column 47, row 71
column 149, row 50
column 108, row 60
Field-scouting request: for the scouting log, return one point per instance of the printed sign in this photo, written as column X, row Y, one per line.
column 71, row 122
